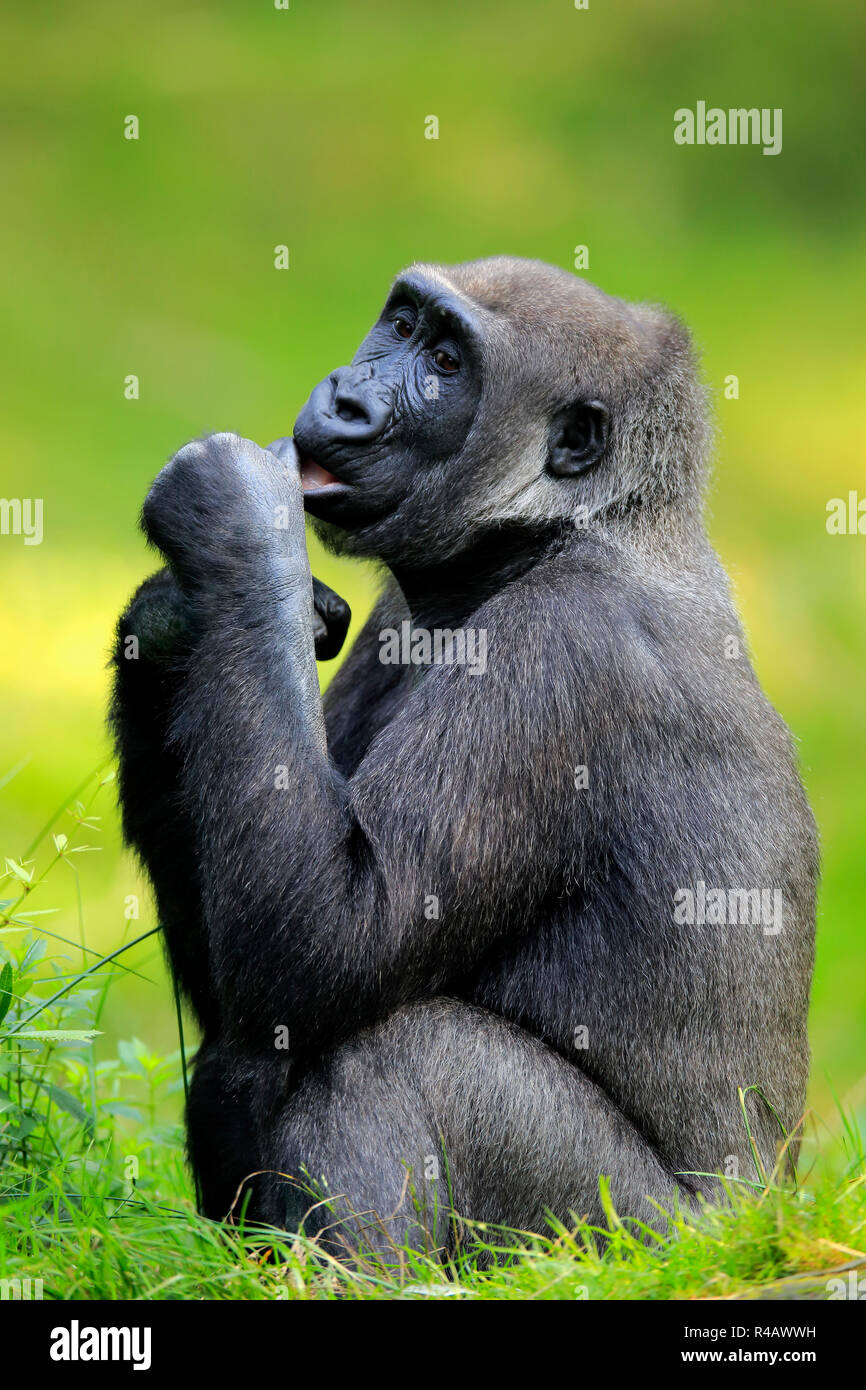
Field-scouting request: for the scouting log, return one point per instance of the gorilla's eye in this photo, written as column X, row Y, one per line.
column 403, row 326
column 444, row 361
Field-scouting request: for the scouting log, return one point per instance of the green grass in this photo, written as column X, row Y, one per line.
column 97, row 1203
column 76, row 1231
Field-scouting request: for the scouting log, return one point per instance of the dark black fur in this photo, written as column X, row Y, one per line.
column 307, row 905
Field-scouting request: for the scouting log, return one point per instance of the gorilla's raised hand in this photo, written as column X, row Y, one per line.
column 226, row 513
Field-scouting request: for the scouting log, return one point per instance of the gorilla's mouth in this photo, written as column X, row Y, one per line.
column 315, row 478
column 325, row 495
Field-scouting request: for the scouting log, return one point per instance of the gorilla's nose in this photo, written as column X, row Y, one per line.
column 360, row 402
column 350, row 408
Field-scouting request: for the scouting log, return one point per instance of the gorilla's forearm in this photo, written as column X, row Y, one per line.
column 272, row 823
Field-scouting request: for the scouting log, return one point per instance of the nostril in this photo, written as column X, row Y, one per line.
column 349, row 409
column 348, row 402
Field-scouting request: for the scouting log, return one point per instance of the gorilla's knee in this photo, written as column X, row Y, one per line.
column 356, row 1155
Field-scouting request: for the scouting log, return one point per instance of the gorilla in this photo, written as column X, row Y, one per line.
column 465, row 939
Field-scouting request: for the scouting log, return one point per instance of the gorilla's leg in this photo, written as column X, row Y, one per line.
column 221, row 1135
column 522, row 1131
column 153, row 641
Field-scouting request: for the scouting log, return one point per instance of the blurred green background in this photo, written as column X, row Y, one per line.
column 260, row 127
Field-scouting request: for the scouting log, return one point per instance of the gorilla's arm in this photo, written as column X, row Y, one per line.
column 329, row 901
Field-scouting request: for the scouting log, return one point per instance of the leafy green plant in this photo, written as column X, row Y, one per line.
column 57, row 1104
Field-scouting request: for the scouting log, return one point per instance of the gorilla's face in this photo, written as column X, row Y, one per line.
column 385, row 429
column 478, row 399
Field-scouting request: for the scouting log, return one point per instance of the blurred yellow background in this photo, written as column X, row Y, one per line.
column 305, row 127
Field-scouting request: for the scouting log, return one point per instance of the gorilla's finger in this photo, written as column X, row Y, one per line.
column 331, row 618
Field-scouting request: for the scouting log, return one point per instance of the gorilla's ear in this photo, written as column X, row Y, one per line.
column 578, row 437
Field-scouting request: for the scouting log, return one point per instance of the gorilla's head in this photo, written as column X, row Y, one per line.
column 495, row 393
